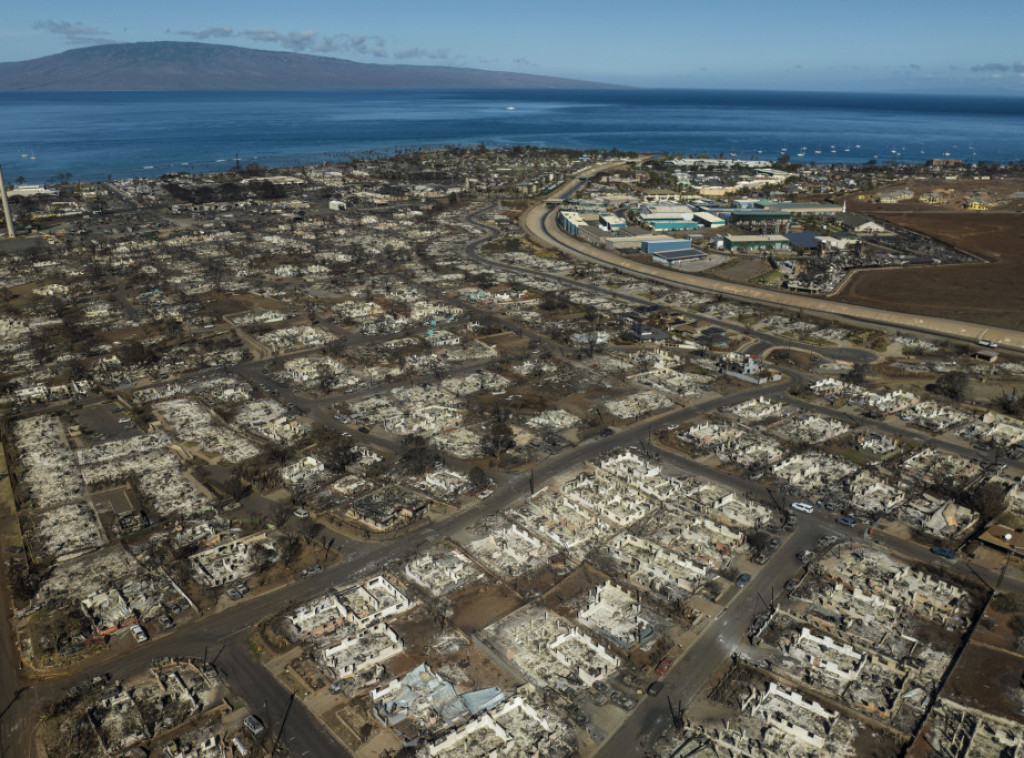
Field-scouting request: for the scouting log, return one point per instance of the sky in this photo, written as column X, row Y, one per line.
column 940, row 46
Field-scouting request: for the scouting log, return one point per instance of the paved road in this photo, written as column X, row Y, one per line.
column 963, row 449
column 228, row 629
column 719, row 640
column 288, row 722
column 764, row 340
column 221, row 637
column 539, row 223
column 728, row 633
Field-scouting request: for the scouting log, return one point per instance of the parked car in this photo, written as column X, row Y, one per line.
column 166, row 622
column 743, row 581
column 607, row 432
column 802, row 507
column 665, row 664
column 139, row 633
column 846, row 520
column 945, row 552
column 655, row 688
column 254, row 725
column 301, row 513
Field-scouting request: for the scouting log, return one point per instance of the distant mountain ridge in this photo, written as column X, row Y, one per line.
column 169, row 66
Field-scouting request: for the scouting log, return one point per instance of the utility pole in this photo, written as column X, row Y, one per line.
column 284, row 719
column 6, row 207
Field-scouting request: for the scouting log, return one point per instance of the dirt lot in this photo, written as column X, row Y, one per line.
column 996, row 692
column 566, row 598
column 1001, row 194
column 478, row 606
column 988, row 293
column 220, row 304
column 741, row 269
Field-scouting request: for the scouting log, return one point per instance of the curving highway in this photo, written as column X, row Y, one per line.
column 539, row 223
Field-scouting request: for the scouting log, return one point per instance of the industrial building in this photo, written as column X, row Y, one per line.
column 679, row 257
column 708, row 219
column 746, row 243
column 667, row 216
column 664, row 245
column 764, row 221
column 825, row 209
column 571, row 221
column 610, row 222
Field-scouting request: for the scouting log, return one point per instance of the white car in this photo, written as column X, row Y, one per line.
column 139, row 632
column 802, row 507
column 301, row 513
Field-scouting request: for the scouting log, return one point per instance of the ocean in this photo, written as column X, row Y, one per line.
column 95, row 135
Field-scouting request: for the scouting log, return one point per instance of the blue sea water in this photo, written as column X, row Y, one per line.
column 93, row 135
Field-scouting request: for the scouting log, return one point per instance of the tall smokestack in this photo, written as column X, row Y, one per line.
column 7, row 208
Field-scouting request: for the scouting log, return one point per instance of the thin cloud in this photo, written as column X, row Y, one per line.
column 212, row 32
column 295, row 41
column 440, row 54
column 306, row 41
column 74, row 33
column 998, row 67
column 520, row 61
column 365, row 44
